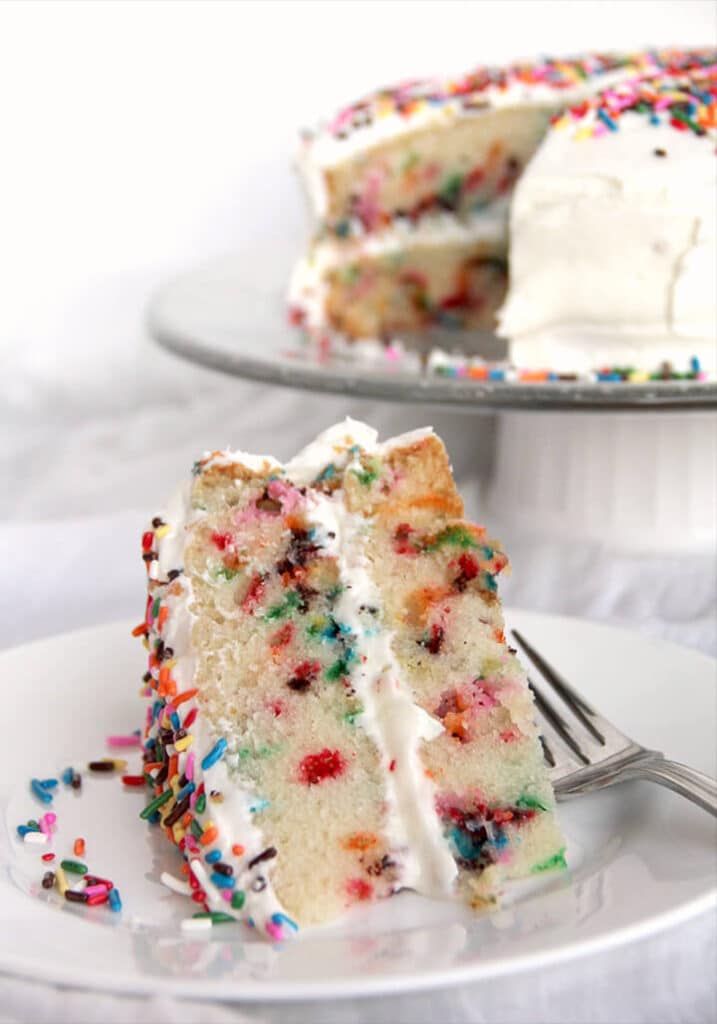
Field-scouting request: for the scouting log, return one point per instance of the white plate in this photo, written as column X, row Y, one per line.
column 641, row 859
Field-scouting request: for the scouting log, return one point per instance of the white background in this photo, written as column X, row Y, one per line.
column 138, row 139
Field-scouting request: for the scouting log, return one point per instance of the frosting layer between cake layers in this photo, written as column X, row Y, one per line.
column 440, row 271
column 333, row 713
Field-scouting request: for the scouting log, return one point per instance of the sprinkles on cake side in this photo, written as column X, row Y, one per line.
column 333, row 713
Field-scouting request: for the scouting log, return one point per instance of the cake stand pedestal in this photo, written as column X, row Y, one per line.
column 644, row 482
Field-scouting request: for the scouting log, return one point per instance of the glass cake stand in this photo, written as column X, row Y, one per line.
column 637, row 478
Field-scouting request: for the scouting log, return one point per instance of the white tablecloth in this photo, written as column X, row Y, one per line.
column 83, row 468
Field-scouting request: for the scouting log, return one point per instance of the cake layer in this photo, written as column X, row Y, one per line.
column 405, row 279
column 613, row 235
column 333, row 711
column 449, row 144
column 461, row 164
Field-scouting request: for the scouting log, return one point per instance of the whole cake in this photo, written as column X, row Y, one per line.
column 333, row 713
column 614, row 231
column 411, row 193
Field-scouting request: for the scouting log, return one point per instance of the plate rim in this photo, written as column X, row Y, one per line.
column 367, row 986
column 19, row 965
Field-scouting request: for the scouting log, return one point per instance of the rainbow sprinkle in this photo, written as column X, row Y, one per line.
column 472, row 91
column 686, row 100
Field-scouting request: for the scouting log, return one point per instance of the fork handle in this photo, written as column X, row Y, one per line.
column 696, row 786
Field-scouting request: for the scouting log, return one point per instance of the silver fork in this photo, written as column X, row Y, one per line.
column 599, row 754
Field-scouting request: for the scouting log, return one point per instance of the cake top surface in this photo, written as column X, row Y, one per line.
column 684, row 100
column 651, row 138
column 334, row 443
column 411, row 104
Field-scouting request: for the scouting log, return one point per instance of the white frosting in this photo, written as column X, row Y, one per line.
column 613, row 250
column 336, row 443
column 307, row 287
column 390, row 717
column 232, row 816
column 229, row 456
column 328, row 447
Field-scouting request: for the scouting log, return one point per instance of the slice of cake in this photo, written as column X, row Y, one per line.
column 613, row 236
column 333, row 712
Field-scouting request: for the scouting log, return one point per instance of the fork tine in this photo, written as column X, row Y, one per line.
column 577, row 704
column 547, row 752
column 552, row 715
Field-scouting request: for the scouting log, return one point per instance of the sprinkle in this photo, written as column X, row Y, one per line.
column 95, row 901
column 185, row 695
column 213, row 856
column 209, row 835
column 606, row 119
column 48, row 880
column 124, row 741
column 283, row 919
column 214, row 917
column 40, row 792
column 223, row 881
column 47, row 857
column 101, row 766
column 133, row 780
column 237, row 849
column 268, row 854
column 75, row 867
column 238, row 899
column 115, row 900
column 67, row 776
column 31, row 836
column 49, row 783
column 215, row 754
column 155, row 804
column 185, row 791
column 79, row 847
column 75, row 897
column 96, row 880
column 61, row 881
column 95, row 890
column 175, row 884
